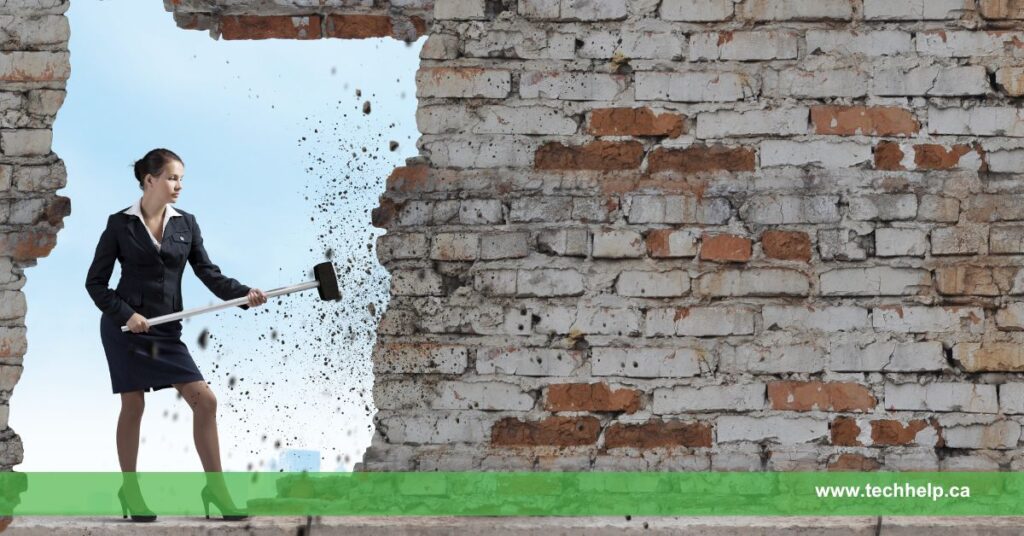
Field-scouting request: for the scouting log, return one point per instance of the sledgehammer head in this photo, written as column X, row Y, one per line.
column 328, row 281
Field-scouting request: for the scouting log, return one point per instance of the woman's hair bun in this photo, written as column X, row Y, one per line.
column 153, row 163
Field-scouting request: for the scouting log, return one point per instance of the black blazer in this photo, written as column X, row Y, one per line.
column 151, row 280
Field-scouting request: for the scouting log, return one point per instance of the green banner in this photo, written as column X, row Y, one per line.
column 520, row 494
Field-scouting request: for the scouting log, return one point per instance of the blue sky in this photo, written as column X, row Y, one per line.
column 272, row 135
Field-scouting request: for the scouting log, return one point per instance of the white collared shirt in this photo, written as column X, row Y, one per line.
column 136, row 210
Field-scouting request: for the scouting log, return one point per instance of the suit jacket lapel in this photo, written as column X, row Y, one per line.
column 139, row 233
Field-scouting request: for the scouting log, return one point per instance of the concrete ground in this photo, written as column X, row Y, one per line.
column 590, row 526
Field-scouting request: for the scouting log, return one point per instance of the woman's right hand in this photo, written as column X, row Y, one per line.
column 138, row 324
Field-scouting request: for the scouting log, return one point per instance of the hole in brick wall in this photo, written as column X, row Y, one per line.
column 278, row 184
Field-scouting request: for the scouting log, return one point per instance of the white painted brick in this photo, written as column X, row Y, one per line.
column 938, row 208
column 440, row 47
column 463, row 82
column 930, row 80
column 588, row 320
column 523, row 120
column 571, row 85
column 1011, row 398
column 913, row 9
column 827, row 154
column 753, row 282
column 504, row 245
column 33, row 31
column 893, row 242
column 960, row 397
column 786, row 209
column 538, row 209
column 696, row 10
column 1005, row 161
column 566, row 10
column 419, row 358
column 739, row 397
column 633, row 45
column 618, row 244
column 778, row 122
column 644, row 284
column 977, row 121
column 1002, row 434
column 922, row 319
column 817, row 84
column 849, row 43
column 874, row 281
column 958, row 240
column 569, row 242
column 883, row 207
column 549, row 282
column 496, row 282
column 440, row 429
column 743, row 46
column 44, row 66
column 482, row 396
column 479, row 152
column 774, row 429
column 402, row 246
column 455, row 246
column 679, row 209
column 695, row 86
column 527, row 44
column 890, row 356
column 818, row 318
column 416, row 282
column 443, row 119
column 964, row 44
column 840, row 244
column 527, row 361
column 699, row 321
column 776, row 359
column 459, row 9
column 648, row 362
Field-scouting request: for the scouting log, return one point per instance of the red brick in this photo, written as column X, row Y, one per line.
column 591, row 397
column 270, row 27
column 27, row 245
column 408, row 178
column 596, row 155
column 888, row 156
column 892, row 433
column 844, row 432
column 420, row 25
column 634, row 122
column 698, row 158
column 657, row 433
column 552, row 431
column 57, row 209
column 725, row 247
column 359, row 26
column 932, row 156
column 864, row 120
column 787, row 245
column 658, row 243
column 1001, row 9
column 830, row 396
column 854, row 462
column 382, row 216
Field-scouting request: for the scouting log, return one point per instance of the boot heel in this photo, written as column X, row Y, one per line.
column 206, row 502
column 124, row 503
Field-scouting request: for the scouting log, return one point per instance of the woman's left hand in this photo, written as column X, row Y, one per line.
column 256, row 297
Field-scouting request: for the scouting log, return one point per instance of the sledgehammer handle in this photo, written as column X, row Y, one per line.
column 224, row 305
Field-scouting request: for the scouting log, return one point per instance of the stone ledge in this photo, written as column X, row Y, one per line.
column 591, row 526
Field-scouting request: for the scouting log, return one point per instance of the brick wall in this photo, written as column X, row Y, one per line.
column 685, row 234
column 34, row 68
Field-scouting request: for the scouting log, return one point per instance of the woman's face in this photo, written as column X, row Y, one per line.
column 166, row 186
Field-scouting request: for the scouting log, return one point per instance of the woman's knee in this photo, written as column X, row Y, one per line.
column 132, row 404
column 201, row 398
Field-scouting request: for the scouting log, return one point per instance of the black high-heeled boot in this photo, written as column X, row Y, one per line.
column 229, row 514
column 143, row 516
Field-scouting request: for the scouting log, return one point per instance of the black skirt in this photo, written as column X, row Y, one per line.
column 146, row 361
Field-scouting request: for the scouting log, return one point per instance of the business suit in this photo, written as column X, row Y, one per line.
column 150, row 285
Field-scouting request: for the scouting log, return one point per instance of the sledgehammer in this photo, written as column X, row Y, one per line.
column 326, row 284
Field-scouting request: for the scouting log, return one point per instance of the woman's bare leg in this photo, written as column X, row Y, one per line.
column 200, row 398
column 204, row 422
column 129, row 423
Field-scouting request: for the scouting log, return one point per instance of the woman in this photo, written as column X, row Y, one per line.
column 153, row 241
